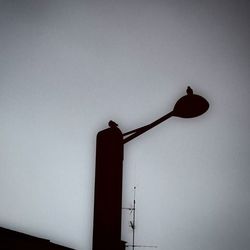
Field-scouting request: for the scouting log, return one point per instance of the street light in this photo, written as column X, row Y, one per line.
column 109, row 166
column 188, row 106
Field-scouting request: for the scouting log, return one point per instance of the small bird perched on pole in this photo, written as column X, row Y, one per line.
column 112, row 124
column 189, row 91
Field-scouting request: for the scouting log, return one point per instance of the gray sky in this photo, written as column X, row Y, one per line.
column 68, row 67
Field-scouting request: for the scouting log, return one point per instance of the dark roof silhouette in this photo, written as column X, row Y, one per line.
column 12, row 240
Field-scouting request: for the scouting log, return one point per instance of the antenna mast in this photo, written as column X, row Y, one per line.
column 132, row 225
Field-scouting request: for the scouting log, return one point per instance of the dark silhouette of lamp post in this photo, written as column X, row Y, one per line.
column 109, row 166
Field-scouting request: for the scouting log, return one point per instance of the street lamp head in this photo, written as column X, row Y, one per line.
column 190, row 105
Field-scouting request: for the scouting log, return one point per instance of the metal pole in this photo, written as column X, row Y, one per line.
column 134, row 220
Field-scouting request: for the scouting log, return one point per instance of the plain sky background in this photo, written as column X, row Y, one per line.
column 68, row 67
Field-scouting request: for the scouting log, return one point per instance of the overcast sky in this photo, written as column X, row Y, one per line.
column 68, row 67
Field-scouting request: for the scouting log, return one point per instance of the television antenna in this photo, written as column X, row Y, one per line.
column 132, row 224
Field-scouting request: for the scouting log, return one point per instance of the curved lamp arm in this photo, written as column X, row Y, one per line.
column 141, row 130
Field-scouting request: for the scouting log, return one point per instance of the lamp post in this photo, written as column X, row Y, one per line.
column 109, row 166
